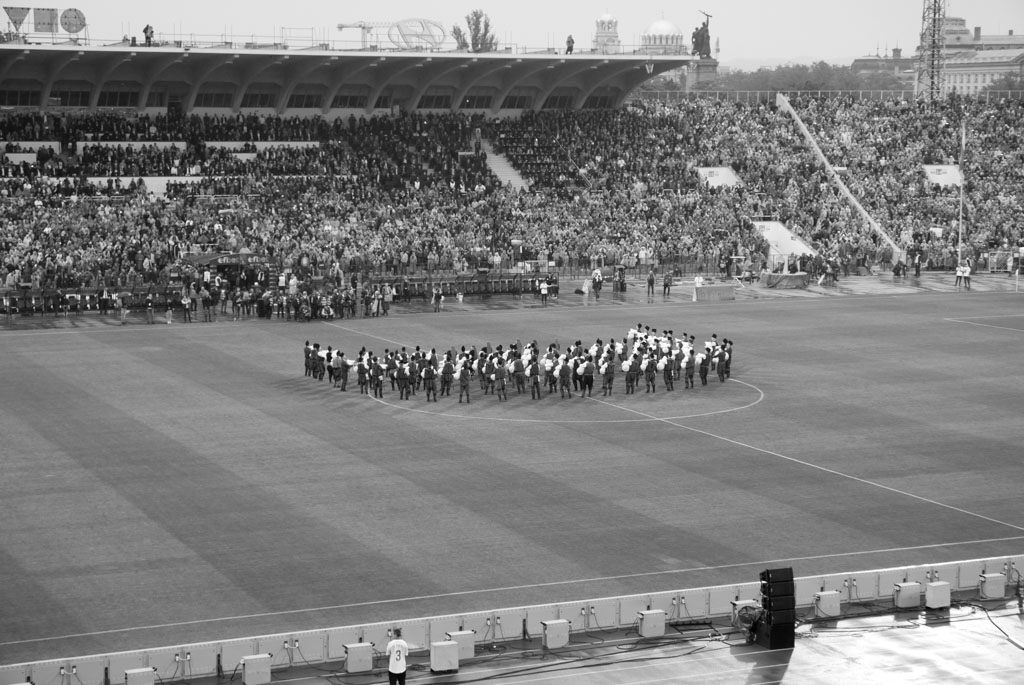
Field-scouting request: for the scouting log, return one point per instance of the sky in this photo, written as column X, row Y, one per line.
column 750, row 32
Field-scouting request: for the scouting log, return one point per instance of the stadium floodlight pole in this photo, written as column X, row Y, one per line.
column 960, row 223
column 931, row 56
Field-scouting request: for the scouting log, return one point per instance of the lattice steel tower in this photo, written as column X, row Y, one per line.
column 931, row 55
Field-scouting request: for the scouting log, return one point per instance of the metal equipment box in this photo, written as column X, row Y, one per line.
column 651, row 623
column 556, row 633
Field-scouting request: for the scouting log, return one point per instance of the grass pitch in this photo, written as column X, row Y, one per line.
column 173, row 484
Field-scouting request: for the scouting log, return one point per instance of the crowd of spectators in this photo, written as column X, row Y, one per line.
column 117, row 126
column 884, row 145
column 650, row 156
column 397, row 194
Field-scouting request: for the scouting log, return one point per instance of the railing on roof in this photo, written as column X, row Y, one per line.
column 308, row 39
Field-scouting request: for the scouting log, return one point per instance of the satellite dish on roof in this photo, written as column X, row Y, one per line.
column 72, row 20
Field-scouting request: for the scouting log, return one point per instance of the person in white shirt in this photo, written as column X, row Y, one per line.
column 397, row 651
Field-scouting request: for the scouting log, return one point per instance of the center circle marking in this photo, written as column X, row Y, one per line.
column 643, row 418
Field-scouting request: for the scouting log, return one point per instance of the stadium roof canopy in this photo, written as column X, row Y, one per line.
column 276, row 80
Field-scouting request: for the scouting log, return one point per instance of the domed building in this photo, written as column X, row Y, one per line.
column 663, row 38
column 606, row 39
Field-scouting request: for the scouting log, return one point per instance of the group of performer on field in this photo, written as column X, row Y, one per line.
column 642, row 356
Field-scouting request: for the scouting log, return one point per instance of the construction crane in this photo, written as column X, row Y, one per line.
column 367, row 27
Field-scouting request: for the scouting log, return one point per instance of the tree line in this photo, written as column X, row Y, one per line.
column 819, row 76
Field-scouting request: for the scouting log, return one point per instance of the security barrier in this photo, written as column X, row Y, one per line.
column 499, row 625
column 714, row 293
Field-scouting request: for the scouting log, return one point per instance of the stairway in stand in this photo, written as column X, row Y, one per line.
column 502, row 168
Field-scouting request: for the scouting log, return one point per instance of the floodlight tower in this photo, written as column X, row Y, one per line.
column 931, row 55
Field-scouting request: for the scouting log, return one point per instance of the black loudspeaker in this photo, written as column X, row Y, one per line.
column 777, row 582
column 777, row 603
column 784, row 616
column 783, row 588
column 777, row 627
column 777, row 575
column 775, row 636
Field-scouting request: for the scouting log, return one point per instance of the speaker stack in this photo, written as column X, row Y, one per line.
column 777, row 627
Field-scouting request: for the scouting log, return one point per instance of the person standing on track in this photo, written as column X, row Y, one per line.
column 377, row 378
column 500, row 376
column 429, row 375
column 704, row 361
column 690, row 367
column 632, row 368
column 519, row 373
column 651, row 372
column 362, row 373
column 397, row 651
column 321, row 366
column 586, row 371
column 447, row 374
column 464, row 382
column 337, row 363
column 402, row 375
column 329, row 363
column 607, row 371
column 565, row 379
column 345, row 367
column 186, row 306
column 534, row 379
column 122, row 307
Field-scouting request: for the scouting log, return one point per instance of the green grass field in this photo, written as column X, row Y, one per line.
column 173, row 484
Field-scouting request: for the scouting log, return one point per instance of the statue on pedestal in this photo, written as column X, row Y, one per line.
column 701, row 38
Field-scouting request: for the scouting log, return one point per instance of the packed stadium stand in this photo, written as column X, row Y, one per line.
column 619, row 184
column 885, row 145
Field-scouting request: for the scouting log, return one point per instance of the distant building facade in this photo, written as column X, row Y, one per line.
column 958, row 37
column 664, row 38
column 972, row 61
column 606, row 38
column 968, row 72
column 903, row 68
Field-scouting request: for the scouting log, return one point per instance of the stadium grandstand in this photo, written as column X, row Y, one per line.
column 135, row 178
